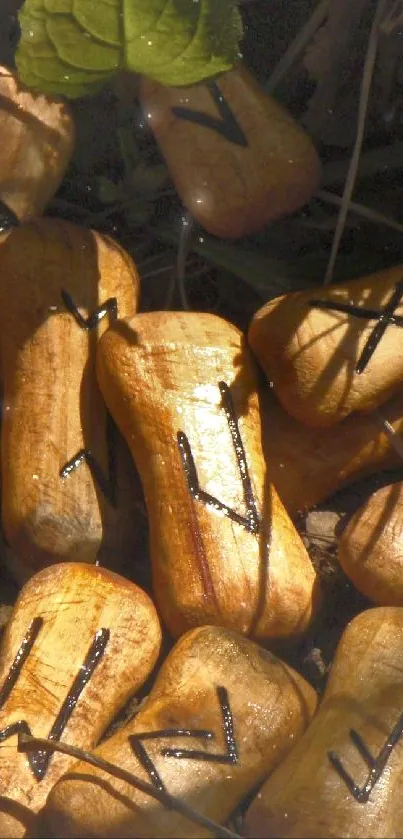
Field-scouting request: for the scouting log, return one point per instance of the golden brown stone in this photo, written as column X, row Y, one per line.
column 325, row 363
column 37, row 140
column 307, row 795
column 237, row 158
column 182, row 389
column 80, row 641
column 253, row 708
column 53, row 409
column 308, row 464
column 371, row 547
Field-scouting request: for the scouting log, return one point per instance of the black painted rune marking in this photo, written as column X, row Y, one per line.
column 39, row 761
column 384, row 317
column 107, row 484
column 15, row 670
column 7, row 218
column 227, row 126
column 376, row 765
column 251, row 521
column 109, row 307
column 230, row 756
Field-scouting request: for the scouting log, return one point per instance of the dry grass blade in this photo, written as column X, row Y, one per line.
column 374, row 161
column 298, row 45
column 360, row 210
column 327, row 58
column 184, row 248
column 26, row 743
column 369, row 65
column 393, row 19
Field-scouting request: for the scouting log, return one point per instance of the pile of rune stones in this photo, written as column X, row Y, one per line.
column 94, row 394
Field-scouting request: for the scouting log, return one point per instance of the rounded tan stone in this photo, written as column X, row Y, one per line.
column 371, row 547
column 307, row 464
column 80, row 641
column 344, row 776
column 52, row 273
column 233, row 707
column 37, row 139
column 237, row 158
column 182, row 389
column 325, row 363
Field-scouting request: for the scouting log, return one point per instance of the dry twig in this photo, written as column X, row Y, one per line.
column 27, row 743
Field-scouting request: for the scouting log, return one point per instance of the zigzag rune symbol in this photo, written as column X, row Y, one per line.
column 230, row 756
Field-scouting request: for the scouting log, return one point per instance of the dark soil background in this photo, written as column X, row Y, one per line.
column 118, row 183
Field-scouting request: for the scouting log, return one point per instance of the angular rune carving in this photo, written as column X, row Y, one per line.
column 39, row 761
column 230, row 756
column 251, row 521
column 20, row 659
column 91, row 322
column 107, row 485
column 227, row 126
column 376, row 765
column 384, row 317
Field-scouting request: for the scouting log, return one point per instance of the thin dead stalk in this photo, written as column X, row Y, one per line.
column 27, row 743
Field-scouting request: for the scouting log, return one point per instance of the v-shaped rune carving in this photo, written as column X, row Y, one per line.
column 227, row 125
column 107, row 483
column 251, row 521
column 91, row 322
column 376, row 765
column 384, row 317
column 230, row 756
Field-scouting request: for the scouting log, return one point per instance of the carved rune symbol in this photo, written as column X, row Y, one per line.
column 91, row 322
column 227, row 125
column 230, row 755
column 39, row 761
column 251, row 521
column 376, row 765
column 106, row 484
column 384, row 317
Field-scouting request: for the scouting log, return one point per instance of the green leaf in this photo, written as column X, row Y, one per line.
column 40, row 66
column 74, row 46
column 102, row 18
column 181, row 42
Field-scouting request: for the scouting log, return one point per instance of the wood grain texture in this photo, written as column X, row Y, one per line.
column 232, row 189
column 271, row 705
column 75, row 601
column 160, row 375
column 52, row 404
column 310, row 354
column 37, row 140
column 306, row 796
column 371, row 547
column 308, row 465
